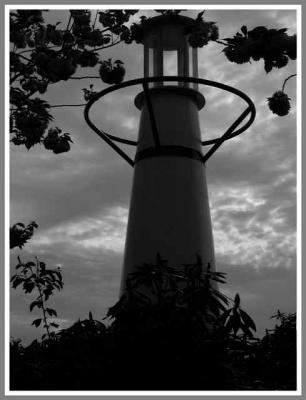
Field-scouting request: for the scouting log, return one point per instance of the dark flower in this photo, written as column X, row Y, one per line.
column 279, row 103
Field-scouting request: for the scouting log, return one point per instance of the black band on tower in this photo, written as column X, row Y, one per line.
column 176, row 151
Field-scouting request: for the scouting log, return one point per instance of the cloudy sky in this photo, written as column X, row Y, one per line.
column 81, row 199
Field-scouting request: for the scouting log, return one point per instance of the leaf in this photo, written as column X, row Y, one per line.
column 225, row 316
column 244, row 30
column 200, row 16
column 246, row 330
column 36, row 303
column 236, row 322
column 17, row 281
column 237, row 301
column 268, row 65
column 229, row 324
column 59, row 275
column 220, row 274
column 220, row 295
column 37, row 322
column 51, row 312
column 28, row 286
column 216, row 305
column 30, row 264
column 217, row 279
column 247, row 320
column 57, row 285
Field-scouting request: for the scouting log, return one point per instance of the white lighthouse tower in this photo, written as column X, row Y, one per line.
column 169, row 210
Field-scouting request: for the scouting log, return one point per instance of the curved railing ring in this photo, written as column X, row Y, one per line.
column 229, row 134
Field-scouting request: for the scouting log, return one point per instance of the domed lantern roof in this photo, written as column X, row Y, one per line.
column 167, row 51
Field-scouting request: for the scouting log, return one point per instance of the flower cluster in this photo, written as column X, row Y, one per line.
column 112, row 73
column 201, row 32
column 57, row 141
column 274, row 46
column 279, row 103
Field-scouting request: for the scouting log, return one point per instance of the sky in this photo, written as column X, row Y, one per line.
column 80, row 199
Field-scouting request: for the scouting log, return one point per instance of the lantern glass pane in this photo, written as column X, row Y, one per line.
column 190, row 59
column 170, row 64
column 151, row 62
column 193, row 66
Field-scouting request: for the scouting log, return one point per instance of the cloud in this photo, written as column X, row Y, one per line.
column 105, row 231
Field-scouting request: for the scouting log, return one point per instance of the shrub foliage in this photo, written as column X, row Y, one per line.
column 172, row 329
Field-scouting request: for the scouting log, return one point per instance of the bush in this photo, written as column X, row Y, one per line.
column 170, row 330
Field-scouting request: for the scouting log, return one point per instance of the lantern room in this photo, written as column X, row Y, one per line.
column 167, row 51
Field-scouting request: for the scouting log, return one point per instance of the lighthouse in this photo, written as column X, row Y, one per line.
column 169, row 209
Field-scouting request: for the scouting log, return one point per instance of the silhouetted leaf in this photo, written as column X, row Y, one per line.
column 221, row 296
column 237, row 301
column 244, row 30
column 30, row 264
column 37, row 322
column 51, row 312
column 247, row 320
column 28, row 286
column 236, row 322
column 246, row 330
column 16, row 281
column 36, row 303
column 200, row 15
column 268, row 65
column 225, row 316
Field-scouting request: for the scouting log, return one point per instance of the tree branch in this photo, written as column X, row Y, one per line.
column 25, row 58
column 85, row 77
column 106, row 47
column 287, row 79
column 28, row 51
column 219, row 41
column 109, row 29
column 67, row 29
column 15, row 77
column 94, row 24
column 68, row 105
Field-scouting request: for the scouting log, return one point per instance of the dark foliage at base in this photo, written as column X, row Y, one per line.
column 169, row 331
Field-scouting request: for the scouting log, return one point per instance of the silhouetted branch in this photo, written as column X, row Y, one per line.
column 85, row 77
column 68, row 105
column 94, row 24
column 287, row 79
column 31, row 50
column 25, row 58
column 219, row 41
